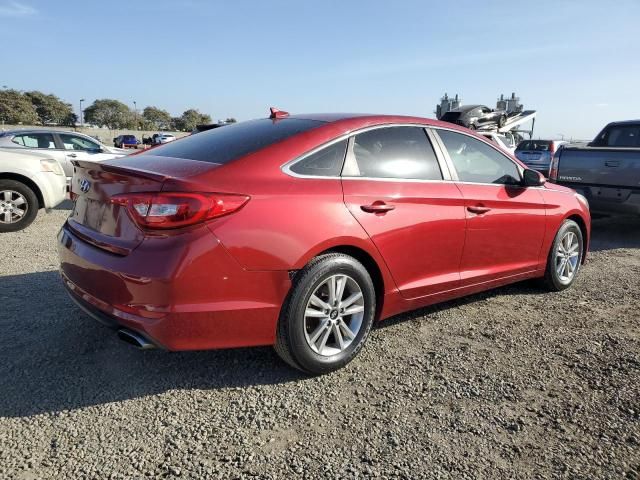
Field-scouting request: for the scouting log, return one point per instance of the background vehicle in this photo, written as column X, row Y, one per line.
column 126, row 141
column 160, row 138
column 28, row 182
column 60, row 145
column 503, row 140
column 606, row 171
column 537, row 154
column 299, row 231
column 476, row 117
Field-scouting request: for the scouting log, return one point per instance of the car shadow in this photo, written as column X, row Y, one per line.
column 64, row 205
column 619, row 231
column 57, row 358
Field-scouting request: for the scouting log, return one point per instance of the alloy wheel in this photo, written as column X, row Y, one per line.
column 13, row 206
column 567, row 257
column 333, row 315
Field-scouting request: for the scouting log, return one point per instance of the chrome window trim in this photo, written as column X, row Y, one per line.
column 445, row 170
column 497, row 149
column 349, row 157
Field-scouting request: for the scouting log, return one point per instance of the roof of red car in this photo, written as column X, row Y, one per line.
column 365, row 119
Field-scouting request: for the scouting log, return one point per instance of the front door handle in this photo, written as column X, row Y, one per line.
column 377, row 207
column 72, row 155
column 478, row 209
column 612, row 163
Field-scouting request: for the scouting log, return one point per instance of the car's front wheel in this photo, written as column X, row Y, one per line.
column 565, row 257
column 328, row 314
column 18, row 206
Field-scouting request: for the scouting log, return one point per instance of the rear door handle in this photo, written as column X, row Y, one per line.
column 377, row 207
column 72, row 155
column 478, row 209
column 612, row 163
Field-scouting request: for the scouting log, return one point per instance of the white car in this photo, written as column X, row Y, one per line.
column 504, row 140
column 58, row 144
column 160, row 138
column 28, row 182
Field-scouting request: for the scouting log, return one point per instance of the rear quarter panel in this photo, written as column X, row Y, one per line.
column 561, row 203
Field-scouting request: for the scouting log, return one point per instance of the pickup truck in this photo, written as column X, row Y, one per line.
column 606, row 171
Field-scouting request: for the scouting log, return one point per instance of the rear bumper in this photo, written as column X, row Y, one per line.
column 181, row 293
column 542, row 165
column 609, row 199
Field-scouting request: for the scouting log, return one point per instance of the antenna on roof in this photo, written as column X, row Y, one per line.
column 275, row 113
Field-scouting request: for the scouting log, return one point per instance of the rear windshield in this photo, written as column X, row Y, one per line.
column 222, row 145
column 535, row 145
column 450, row 116
column 621, row 136
column 129, row 137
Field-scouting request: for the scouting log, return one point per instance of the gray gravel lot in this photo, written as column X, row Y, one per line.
column 513, row 383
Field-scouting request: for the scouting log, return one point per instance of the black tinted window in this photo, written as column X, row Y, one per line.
column 477, row 162
column 450, row 116
column 623, row 136
column 323, row 163
column 222, row 145
column 395, row 152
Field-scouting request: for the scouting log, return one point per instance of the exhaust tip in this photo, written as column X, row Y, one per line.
column 135, row 339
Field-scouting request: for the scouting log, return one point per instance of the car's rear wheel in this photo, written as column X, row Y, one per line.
column 472, row 126
column 18, row 206
column 502, row 120
column 328, row 314
column 565, row 257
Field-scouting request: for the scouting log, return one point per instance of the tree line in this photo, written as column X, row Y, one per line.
column 37, row 108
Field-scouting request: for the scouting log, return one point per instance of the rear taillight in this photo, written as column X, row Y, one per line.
column 178, row 209
column 553, row 168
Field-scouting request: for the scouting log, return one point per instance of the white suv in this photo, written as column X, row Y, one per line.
column 63, row 146
column 28, row 182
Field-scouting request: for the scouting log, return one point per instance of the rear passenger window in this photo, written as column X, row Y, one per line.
column 395, row 152
column 626, row 136
column 326, row 162
column 477, row 162
column 35, row 140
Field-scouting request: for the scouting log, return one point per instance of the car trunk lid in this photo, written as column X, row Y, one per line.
column 106, row 224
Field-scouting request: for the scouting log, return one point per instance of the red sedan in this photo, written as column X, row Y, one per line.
column 300, row 231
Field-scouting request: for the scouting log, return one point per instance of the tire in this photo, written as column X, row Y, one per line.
column 553, row 280
column 501, row 121
column 297, row 331
column 16, row 197
column 472, row 126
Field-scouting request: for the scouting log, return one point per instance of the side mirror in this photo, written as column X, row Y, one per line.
column 531, row 178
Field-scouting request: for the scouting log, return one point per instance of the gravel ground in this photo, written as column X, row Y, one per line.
column 513, row 383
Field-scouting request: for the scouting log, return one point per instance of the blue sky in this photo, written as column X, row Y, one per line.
column 576, row 62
